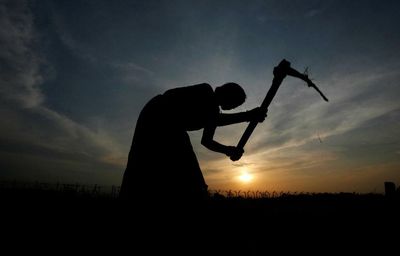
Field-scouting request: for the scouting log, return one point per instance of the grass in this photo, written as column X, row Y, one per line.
column 230, row 223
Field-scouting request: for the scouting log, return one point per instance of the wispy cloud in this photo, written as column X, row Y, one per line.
column 289, row 10
column 296, row 123
column 77, row 48
column 132, row 73
column 241, row 164
column 80, row 139
column 21, row 78
column 20, row 67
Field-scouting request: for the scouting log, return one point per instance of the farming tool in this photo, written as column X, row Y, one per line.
column 280, row 72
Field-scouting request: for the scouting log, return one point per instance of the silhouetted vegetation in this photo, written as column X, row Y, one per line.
column 270, row 203
column 42, row 191
column 229, row 223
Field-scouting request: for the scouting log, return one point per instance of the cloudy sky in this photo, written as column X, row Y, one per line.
column 74, row 76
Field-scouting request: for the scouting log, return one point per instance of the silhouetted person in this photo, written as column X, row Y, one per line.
column 162, row 165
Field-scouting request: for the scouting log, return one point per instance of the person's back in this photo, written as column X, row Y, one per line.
column 191, row 107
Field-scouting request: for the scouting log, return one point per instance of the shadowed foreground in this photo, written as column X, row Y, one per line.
column 227, row 226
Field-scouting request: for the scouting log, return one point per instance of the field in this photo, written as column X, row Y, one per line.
column 229, row 223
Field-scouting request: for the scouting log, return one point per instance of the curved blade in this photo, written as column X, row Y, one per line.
column 311, row 84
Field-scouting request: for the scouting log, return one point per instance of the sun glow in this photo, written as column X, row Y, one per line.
column 245, row 177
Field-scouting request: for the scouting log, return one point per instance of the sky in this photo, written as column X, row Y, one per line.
column 74, row 76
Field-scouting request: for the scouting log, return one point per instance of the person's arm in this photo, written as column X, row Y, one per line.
column 208, row 141
column 234, row 118
column 247, row 116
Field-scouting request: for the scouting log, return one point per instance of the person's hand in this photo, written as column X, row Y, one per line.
column 234, row 153
column 257, row 114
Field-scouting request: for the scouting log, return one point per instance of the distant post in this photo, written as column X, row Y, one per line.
column 390, row 189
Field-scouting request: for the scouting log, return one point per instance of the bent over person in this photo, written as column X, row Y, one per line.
column 162, row 165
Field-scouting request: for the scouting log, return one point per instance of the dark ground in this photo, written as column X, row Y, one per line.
column 320, row 223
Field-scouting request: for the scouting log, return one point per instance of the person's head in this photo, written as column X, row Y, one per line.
column 230, row 96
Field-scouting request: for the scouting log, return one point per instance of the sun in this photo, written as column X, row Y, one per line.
column 245, row 177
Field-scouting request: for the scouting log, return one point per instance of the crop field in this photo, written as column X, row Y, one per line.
column 228, row 223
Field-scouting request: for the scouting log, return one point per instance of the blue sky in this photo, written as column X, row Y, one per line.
column 74, row 76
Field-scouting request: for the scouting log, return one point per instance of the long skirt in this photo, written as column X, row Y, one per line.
column 162, row 165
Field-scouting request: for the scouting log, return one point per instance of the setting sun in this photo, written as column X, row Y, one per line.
column 245, row 177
